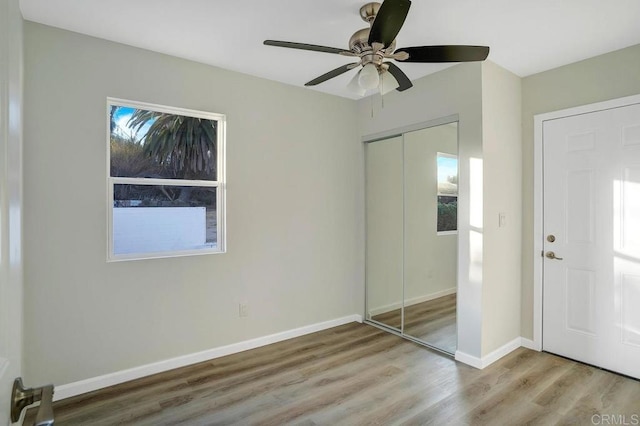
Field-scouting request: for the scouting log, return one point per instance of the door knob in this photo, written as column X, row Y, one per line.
column 22, row 397
column 552, row 255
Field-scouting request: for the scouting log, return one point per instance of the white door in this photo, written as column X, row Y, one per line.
column 10, row 202
column 591, row 290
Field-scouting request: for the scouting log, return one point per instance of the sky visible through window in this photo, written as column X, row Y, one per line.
column 121, row 117
column 447, row 168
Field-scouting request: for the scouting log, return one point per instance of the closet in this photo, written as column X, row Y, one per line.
column 411, row 234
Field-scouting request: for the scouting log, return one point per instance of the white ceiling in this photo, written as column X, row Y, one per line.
column 525, row 36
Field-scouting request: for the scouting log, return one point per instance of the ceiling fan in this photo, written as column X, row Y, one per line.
column 377, row 43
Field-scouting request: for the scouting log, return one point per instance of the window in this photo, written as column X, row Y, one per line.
column 447, row 166
column 165, row 181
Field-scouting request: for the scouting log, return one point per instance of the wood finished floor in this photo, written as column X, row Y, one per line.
column 433, row 322
column 357, row 374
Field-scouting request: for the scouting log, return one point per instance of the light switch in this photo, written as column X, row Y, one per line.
column 502, row 220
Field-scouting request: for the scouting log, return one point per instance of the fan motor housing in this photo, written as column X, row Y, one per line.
column 359, row 41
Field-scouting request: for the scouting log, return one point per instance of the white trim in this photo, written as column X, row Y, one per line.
column 88, row 385
column 166, row 109
column 529, row 344
column 537, row 231
column 538, row 170
column 164, row 254
column 413, row 301
column 494, row 356
column 221, row 177
column 501, row 351
column 468, row 359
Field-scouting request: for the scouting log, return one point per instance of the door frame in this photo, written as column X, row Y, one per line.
column 11, row 205
column 538, row 197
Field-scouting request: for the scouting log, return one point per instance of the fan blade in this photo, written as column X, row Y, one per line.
column 388, row 22
column 312, row 47
column 445, row 53
column 401, row 78
column 331, row 74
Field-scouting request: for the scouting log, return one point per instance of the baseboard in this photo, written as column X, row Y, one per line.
column 468, row 359
column 492, row 357
column 100, row 382
column 530, row 344
column 501, row 351
column 413, row 301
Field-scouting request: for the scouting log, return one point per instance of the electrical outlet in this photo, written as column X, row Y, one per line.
column 243, row 309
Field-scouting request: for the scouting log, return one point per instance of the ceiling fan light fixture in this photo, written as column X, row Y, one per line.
column 369, row 77
column 354, row 85
column 387, row 83
column 376, row 43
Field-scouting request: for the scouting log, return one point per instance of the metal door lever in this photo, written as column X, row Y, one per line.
column 21, row 397
column 552, row 255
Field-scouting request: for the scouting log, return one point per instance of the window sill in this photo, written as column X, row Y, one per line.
column 162, row 255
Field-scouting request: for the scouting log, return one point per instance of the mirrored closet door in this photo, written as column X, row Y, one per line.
column 384, row 232
column 411, row 262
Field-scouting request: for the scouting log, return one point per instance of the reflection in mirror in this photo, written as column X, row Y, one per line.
column 430, row 235
column 384, row 246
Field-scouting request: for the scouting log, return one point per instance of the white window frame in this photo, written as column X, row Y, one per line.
column 219, row 183
column 438, row 194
